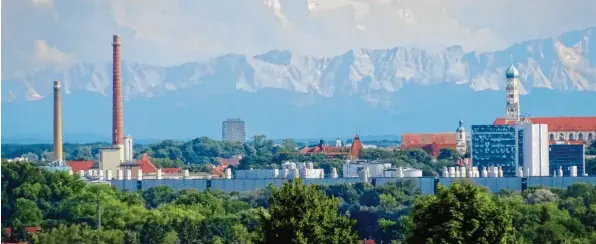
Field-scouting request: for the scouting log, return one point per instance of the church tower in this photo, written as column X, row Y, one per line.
column 461, row 143
column 512, row 93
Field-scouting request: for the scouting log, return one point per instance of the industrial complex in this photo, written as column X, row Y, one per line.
column 511, row 153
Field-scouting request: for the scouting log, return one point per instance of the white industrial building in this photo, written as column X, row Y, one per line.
column 289, row 170
column 351, row 169
column 110, row 158
column 535, row 151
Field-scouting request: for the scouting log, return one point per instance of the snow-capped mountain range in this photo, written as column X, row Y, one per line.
column 377, row 78
column 561, row 63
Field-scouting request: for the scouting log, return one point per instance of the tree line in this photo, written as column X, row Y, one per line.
column 67, row 210
column 259, row 153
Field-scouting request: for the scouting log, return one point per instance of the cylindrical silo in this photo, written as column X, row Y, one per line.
column 159, row 174
column 128, row 174
column 120, row 174
column 334, row 173
column 139, row 174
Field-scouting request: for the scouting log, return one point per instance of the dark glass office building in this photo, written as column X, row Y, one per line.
column 496, row 145
column 565, row 156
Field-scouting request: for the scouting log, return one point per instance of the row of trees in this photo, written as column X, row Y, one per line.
column 67, row 210
column 260, row 152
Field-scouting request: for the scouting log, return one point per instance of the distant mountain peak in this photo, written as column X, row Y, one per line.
column 566, row 62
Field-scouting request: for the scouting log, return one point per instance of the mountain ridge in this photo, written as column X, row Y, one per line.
column 566, row 62
column 280, row 94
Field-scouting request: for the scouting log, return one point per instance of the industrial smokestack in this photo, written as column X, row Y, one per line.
column 57, row 123
column 117, row 120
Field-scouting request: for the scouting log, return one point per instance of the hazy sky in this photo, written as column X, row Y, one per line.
column 38, row 34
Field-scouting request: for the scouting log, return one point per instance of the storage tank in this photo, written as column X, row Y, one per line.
column 109, row 174
column 82, row 173
column 286, row 172
column 501, row 172
column 296, row 173
column 139, row 174
column 310, row 165
column 128, row 175
column 457, row 172
column 484, row 172
column 573, row 171
column 560, row 170
column 159, row 174
column 275, row 173
column 364, row 173
column 120, row 174
column 334, row 174
column 377, row 169
column 445, row 172
column 400, row 172
column 451, row 172
column 412, row 173
column 186, row 173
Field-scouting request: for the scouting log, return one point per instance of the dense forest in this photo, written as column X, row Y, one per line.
column 66, row 209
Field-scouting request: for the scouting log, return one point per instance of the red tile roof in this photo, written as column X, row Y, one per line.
column 146, row 165
column 171, row 171
column 31, row 229
column 431, row 143
column 80, row 165
column 356, row 149
column 424, row 139
column 234, row 161
column 566, row 124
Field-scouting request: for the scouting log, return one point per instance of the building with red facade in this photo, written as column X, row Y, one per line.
column 564, row 129
column 432, row 143
column 353, row 152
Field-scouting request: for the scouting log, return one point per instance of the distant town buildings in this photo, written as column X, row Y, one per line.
column 354, row 151
column 233, row 129
column 432, row 143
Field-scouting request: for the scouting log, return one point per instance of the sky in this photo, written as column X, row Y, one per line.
column 40, row 34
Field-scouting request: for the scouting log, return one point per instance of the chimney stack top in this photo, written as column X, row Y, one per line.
column 56, row 84
column 116, row 40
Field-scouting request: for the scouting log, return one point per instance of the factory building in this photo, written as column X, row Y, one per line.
column 233, row 129
column 110, row 158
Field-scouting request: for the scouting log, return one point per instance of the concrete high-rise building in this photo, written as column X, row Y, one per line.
column 117, row 117
column 58, row 153
column 512, row 95
column 233, row 129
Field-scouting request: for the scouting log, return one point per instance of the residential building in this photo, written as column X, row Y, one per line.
column 233, row 129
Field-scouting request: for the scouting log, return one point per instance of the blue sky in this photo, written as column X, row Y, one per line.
column 39, row 34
